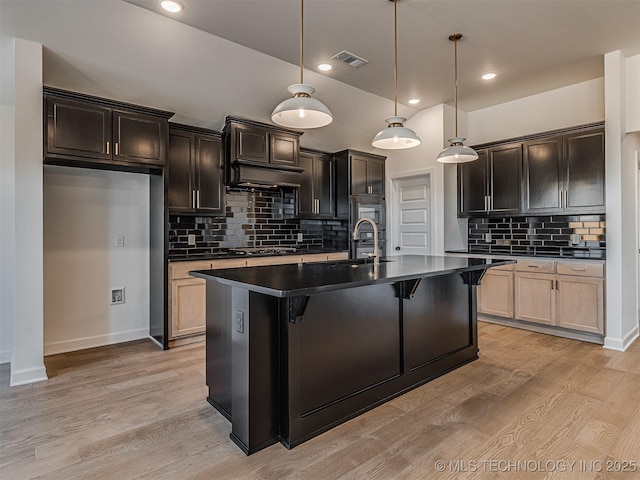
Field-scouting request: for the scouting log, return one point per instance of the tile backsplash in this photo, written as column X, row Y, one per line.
column 260, row 218
column 561, row 235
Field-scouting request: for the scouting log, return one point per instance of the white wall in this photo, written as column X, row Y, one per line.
column 84, row 212
column 428, row 124
column 7, row 199
column 564, row 107
column 633, row 93
column 24, row 225
column 622, row 217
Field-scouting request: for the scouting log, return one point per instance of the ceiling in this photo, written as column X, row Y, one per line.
column 533, row 45
column 236, row 57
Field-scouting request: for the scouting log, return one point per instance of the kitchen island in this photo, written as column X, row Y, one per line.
column 294, row 350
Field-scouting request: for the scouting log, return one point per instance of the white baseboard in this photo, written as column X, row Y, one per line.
column 622, row 344
column 28, row 375
column 96, row 341
column 5, row 356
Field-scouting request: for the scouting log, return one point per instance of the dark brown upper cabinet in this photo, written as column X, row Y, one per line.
column 491, row 184
column 316, row 195
column 255, row 143
column 195, row 173
column 82, row 130
column 565, row 173
column 358, row 174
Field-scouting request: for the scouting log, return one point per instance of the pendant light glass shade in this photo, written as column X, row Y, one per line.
column 301, row 111
column 457, row 152
column 396, row 136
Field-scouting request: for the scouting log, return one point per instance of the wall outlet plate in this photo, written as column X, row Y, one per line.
column 117, row 296
column 239, row 321
column 191, row 239
column 119, row 240
column 300, row 237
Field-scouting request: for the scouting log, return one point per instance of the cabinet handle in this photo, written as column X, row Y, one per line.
column 198, row 199
column 316, row 205
column 193, row 199
column 490, row 203
column 566, row 199
column 107, row 148
column 117, row 149
column 579, row 269
column 560, row 198
column 557, row 285
column 533, row 266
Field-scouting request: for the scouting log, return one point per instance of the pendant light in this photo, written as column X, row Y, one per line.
column 301, row 111
column 396, row 135
column 457, row 152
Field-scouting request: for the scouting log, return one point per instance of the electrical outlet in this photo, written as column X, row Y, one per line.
column 300, row 237
column 239, row 321
column 191, row 240
column 117, row 296
column 119, row 240
column 487, row 237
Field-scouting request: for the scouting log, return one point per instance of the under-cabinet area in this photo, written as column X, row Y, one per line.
column 187, row 295
column 561, row 297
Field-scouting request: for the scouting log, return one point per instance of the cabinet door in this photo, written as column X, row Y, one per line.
column 535, row 297
column 542, row 175
column 359, row 184
column 139, row 138
column 584, row 172
column 181, row 167
column 210, row 195
column 306, row 198
column 78, row 129
column 251, row 144
column 580, row 303
column 505, row 177
column 324, row 186
column 284, row 149
column 473, row 185
column 375, row 177
column 495, row 294
column 188, row 307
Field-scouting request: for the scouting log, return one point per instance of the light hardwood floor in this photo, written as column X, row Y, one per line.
column 131, row 411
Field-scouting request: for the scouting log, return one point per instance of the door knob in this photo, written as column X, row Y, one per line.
column 397, row 248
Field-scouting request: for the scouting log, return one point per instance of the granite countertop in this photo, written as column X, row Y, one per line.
column 294, row 279
column 223, row 256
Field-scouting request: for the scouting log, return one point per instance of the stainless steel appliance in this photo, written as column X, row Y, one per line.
column 375, row 210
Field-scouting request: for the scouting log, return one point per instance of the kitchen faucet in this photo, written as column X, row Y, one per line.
column 356, row 233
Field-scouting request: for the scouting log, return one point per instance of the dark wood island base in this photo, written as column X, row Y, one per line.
column 293, row 351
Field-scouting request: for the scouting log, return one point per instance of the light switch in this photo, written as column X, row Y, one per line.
column 300, row 237
column 239, row 320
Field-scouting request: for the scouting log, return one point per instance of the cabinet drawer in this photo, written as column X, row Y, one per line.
column 182, row 269
column 278, row 260
column 582, row 269
column 508, row 268
column 229, row 263
column 538, row 266
column 338, row 256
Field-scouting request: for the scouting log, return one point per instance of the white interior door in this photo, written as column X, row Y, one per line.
column 411, row 216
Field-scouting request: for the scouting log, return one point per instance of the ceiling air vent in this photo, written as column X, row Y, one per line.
column 350, row 59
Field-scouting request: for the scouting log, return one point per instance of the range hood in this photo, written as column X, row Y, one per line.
column 243, row 173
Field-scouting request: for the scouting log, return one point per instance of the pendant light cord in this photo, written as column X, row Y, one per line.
column 301, row 41
column 455, row 69
column 395, row 56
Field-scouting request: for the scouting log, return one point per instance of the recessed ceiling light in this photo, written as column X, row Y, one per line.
column 173, row 6
column 325, row 67
column 414, row 101
column 489, row 76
